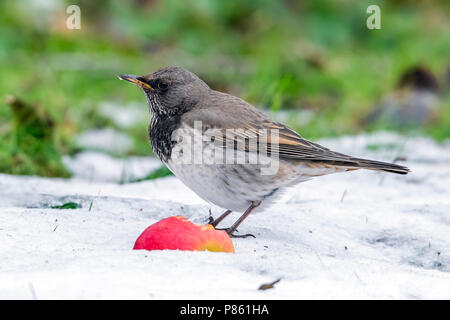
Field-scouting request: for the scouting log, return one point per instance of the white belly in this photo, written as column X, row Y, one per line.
column 234, row 185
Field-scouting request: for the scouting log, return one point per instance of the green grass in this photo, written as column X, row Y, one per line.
column 296, row 55
column 163, row 171
column 69, row 205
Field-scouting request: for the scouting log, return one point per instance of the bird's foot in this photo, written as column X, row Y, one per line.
column 215, row 222
column 211, row 220
column 231, row 233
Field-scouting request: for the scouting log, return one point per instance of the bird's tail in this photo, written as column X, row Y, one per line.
column 357, row 163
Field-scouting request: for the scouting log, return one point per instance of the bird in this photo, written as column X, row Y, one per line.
column 415, row 100
column 227, row 151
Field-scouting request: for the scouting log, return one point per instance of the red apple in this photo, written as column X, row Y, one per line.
column 177, row 233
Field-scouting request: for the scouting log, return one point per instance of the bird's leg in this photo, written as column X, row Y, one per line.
column 233, row 228
column 215, row 222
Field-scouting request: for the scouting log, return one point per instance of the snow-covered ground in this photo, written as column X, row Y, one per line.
column 348, row 235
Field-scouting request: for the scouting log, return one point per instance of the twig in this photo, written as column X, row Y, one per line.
column 270, row 285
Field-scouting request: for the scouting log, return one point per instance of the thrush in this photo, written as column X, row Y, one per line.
column 231, row 170
column 414, row 102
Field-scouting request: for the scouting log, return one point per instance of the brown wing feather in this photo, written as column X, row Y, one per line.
column 292, row 146
column 240, row 114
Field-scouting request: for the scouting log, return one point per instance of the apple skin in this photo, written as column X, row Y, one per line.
column 177, row 233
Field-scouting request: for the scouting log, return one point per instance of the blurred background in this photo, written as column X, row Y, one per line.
column 312, row 64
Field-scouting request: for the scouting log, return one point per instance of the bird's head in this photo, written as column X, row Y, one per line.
column 170, row 90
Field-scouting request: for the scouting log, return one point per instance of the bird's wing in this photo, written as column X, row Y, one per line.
column 280, row 139
column 240, row 123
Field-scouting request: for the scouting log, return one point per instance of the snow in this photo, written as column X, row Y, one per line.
column 107, row 139
column 362, row 235
column 123, row 115
column 101, row 167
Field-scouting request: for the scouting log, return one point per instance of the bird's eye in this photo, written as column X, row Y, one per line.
column 163, row 85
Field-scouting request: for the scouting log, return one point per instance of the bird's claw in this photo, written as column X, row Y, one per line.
column 210, row 218
column 241, row 235
column 231, row 233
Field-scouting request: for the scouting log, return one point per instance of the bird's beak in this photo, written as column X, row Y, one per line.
column 135, row 79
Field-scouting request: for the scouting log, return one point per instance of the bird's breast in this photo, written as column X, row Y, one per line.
column 161, row 132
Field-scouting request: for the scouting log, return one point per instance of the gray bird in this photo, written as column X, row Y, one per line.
column 207, row 139
column 414, row 102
